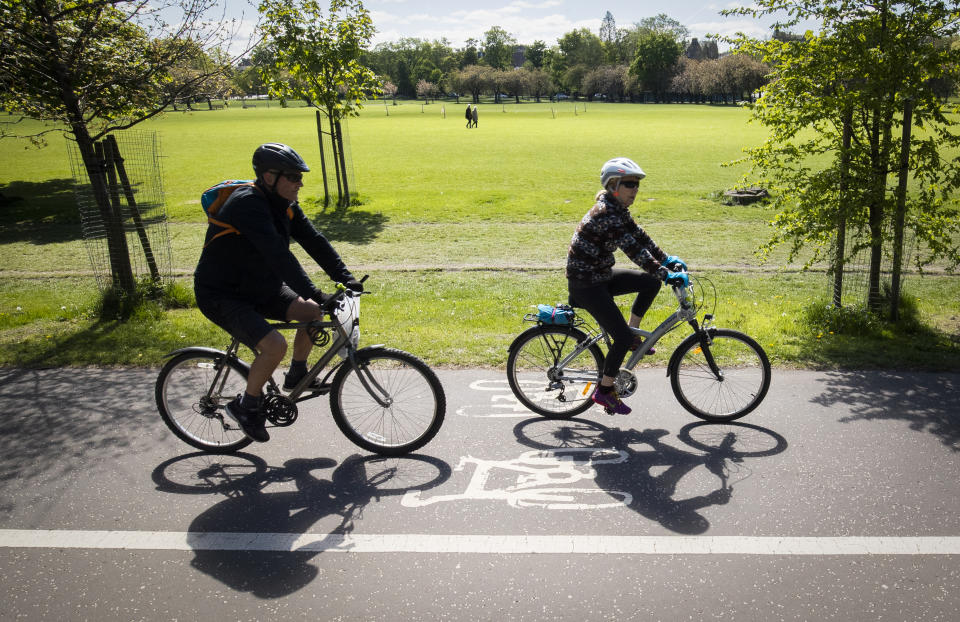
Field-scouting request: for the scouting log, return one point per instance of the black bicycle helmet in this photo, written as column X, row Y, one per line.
column 277, row 157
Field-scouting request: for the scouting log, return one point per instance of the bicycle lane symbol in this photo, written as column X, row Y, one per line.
column 502, row 402
column 541, row 479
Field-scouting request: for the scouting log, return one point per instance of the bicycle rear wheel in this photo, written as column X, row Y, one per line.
column 738, row 386
column 197, row 418
column 391, row 403
column 537, row 382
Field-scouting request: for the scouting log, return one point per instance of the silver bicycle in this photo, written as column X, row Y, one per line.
column 384, row 400
column 718, row 374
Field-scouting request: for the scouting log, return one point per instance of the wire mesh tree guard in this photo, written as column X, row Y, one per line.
column 129, row 238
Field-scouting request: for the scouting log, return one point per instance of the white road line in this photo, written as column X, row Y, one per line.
column 425, row 543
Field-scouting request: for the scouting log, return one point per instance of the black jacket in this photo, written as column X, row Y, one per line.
column 253, row 264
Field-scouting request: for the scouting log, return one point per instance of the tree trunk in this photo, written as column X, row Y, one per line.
column 336, row 157
column 109, row 205
column 323, row 163
column 115, row 160
column 345, row 198
column 838, row 260
column 901, row 209
column 879, row 139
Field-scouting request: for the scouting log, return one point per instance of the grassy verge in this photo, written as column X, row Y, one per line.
column 461, row 230
column 468, row 318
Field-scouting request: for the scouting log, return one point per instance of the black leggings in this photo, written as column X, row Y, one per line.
column 597, row 299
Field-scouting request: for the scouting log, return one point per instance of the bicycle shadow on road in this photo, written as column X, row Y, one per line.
column 720, row 449
column 251, row 508
column 925, row 401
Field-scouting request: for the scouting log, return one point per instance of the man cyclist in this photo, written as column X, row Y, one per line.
column 247, row 274
column 593, row 281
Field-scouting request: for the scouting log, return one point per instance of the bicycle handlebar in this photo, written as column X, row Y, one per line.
column 342, row 290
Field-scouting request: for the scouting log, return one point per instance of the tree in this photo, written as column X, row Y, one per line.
column 469, row 54
column 656, row 63
column 540, row 84
column 608, row 29
column 498, row 48
column 608, row 80
column 426, row 90
column 472, row 79
column 536, row 53
column 581, row 47
column 92, row 67
column 851, row 94
column 664, row 24
column 516, row 82
column 317, row 58
column 389, row 89
column 247, row 78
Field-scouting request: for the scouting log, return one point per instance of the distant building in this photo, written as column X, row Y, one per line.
column 519, row 56
column 702, row 51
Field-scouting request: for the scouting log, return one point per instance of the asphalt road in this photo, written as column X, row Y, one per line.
column 839, row 499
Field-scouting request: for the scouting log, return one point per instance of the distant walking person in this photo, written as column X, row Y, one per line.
column 469, row 117
column 474, row 115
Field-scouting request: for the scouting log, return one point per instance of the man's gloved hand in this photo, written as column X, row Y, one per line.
column 354, row 285
column 324, row 300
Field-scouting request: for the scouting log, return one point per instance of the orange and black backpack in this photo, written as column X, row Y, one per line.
column 213, row 199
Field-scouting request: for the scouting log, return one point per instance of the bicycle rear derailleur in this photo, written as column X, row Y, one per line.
column 279, row 410
column 626, row 383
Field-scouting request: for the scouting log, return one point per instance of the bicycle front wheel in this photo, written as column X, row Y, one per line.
column 193, row 406
column 729, row 388
column 391, row 403
column 543, row 387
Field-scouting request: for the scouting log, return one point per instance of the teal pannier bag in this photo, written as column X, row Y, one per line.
column 561, row 314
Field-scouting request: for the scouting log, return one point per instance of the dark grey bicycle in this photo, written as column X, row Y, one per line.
column 384, row 400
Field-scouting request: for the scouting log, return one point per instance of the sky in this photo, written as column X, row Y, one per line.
column 546, row 20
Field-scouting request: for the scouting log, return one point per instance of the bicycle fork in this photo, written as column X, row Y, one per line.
column 377, row 392
column 703, row 335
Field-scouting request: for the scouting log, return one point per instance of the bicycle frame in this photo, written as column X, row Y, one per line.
column 341, row 341
column 685, row 312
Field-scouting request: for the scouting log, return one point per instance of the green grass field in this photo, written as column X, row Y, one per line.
column 461, row 231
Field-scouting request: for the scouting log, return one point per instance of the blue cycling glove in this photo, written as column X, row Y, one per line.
column 675, row 263
column 673, row 278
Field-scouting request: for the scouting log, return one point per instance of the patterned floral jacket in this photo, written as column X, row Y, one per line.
column 606, row 227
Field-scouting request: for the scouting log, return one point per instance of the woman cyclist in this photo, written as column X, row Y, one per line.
column 593, row 281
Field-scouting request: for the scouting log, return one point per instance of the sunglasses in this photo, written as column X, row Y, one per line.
column 630, row 184
column 293, row 176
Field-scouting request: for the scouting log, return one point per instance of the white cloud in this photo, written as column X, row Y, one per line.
column 460, row 25
column 729, row 28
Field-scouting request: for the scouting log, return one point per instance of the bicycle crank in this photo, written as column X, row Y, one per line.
column 626, row 383
column 279, row 410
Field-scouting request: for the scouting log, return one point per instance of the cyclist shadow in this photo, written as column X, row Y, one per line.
column 286, row 514
column 722, row 448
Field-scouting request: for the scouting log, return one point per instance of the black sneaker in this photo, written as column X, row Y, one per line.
column 290, row 384
column 250, row 420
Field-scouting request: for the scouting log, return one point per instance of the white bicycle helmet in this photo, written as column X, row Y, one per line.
column 620, row 167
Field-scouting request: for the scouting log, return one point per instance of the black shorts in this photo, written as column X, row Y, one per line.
column 243, row 319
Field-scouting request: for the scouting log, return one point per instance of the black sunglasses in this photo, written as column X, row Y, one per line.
column 291, row 176
column 630, row 184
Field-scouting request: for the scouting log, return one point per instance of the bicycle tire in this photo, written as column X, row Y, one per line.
column 745, row 375
column 415, row 412
column 181, row 399
column 534, row 353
